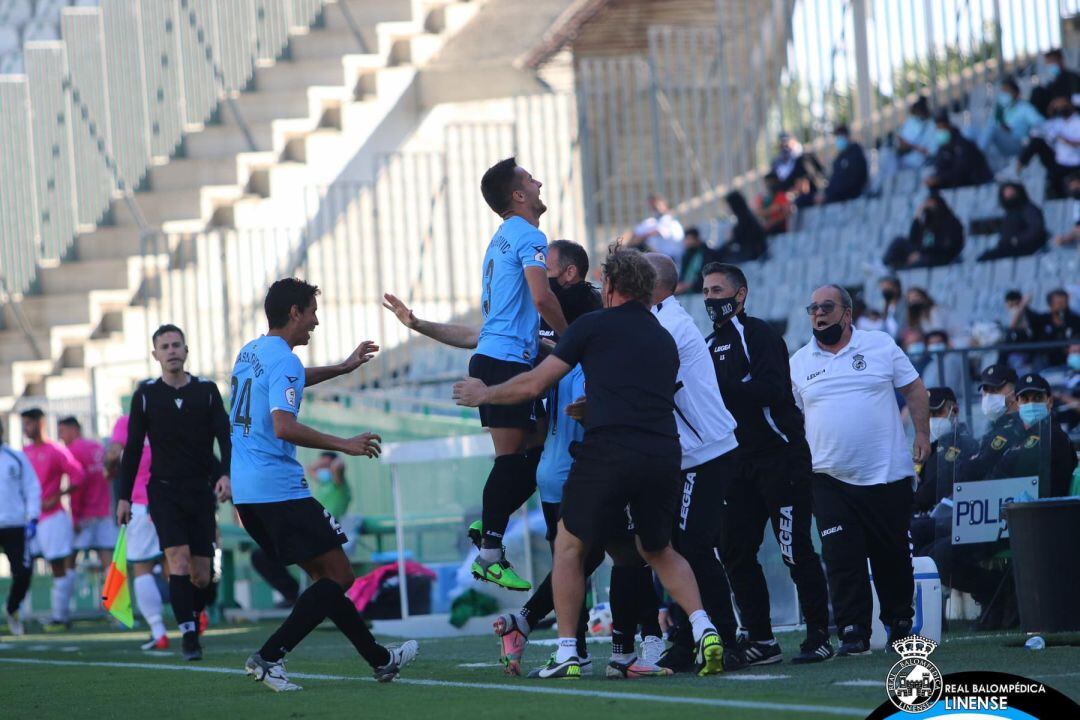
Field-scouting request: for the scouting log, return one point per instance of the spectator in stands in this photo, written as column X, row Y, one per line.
column 1014, row 119
column 944, row 368
column 1059, row 147
column 848, row 177
column 951, row 444
column 695, row 255
column 913, row 343
column 772, row 207
column 1059, row 323
column 936, row 238
column 1071, row 237
column 660, row 231
column 1067, row 397
column 1057, row 81
column 746, row 241
column 1023, row 229
column 913, row 144
column 890, row 316
column 796, row 171
column 958, row 161
column 923, row 313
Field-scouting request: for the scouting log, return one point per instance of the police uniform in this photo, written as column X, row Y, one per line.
column 1005, row 432
column 1043, row 448
column 936, row 475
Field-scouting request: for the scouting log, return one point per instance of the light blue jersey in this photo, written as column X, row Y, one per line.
column 555, row 461
column 511, row 323
column 267, row 376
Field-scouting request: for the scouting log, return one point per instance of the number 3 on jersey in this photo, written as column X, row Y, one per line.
column 241, row 405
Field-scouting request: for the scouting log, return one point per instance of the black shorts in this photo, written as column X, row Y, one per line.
column 494, row 372
column 183, row 514
column 292, row 531
column 608, row 480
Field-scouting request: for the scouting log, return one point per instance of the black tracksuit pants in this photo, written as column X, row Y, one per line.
column 774, row 488
column 859, row 523
column 13, row 541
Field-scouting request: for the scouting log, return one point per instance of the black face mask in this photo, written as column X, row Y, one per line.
column 917, row 308
column 720, row 309
column 556, row 288
column 829, row 335
column 888, row 294
column 1012, row 202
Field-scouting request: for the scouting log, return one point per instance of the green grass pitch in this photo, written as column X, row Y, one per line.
column 97, row 672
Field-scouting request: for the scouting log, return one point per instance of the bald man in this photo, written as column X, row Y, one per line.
column 709, row 460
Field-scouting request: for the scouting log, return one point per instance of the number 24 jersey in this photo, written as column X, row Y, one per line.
column 267, row 377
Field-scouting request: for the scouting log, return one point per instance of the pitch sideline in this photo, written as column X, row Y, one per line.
column 535, row 690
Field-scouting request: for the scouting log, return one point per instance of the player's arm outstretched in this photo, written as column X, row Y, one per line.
column 363, row 353
column 289, row 429
column 459, row 336
column 472, row 392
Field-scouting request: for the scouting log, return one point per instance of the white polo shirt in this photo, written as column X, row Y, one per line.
column 706, row 426
column 852, row 419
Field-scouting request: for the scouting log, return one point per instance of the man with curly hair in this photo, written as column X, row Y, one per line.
column 627, row 463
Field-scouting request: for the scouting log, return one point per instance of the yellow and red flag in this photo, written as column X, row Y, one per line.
column 115, row 595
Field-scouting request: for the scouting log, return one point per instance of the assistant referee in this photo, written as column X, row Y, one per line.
column 845, row 381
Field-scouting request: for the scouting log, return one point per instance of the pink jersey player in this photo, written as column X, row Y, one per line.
column 51, row 462
column 92, row 498
column 142, row 477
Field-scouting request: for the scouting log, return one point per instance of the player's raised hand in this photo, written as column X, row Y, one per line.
column 366, row 444
column 362, row 354
column 401, row 311
column 470, row 392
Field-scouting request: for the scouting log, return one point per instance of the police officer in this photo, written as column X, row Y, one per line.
column 751, row 363
column 1044, row 449
column 951, row 444
column 997, row 383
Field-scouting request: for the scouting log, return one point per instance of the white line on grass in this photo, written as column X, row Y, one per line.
column 527, row 689
column 860, row 683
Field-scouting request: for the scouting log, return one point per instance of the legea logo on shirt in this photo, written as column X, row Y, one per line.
column 290, row 396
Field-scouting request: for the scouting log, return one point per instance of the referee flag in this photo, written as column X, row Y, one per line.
column 115, row 595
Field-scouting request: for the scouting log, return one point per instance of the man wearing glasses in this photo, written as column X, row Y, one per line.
column 845, row 380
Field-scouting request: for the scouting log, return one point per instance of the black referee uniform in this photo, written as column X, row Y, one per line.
column 182, row 424
column 751, row 361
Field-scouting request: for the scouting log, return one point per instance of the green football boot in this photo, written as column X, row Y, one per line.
column 500, row 572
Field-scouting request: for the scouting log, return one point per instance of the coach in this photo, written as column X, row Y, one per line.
column 845, row 381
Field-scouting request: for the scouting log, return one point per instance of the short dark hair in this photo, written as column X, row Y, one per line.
column 630, row 274
column 1013, row 296
column 734, row 275
column 328, row 454
column 693, row 230
column 283, row 295
column 498, row 184
column 1053, row 53
column 939, row 333
column 34, row 413
column 166, row 328
column 1010, row 82
column 570, row 253
column 1057, row 292
column 71, row 421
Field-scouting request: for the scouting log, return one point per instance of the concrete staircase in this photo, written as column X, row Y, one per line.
column 339, row 98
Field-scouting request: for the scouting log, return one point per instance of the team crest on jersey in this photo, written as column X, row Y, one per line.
column 290, row 396
column 951, row 454
column 1032, row 441
column 998, row 442
column 858, row 362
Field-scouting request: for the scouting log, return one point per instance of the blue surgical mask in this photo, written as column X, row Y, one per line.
column 943, row 136
column 841, row 143
column 324, row 475
column 1074, row 361
column 936, row 347
column 939, row 427
column 916, row 348
column 1033, row 413
column 1052, row 72
column 993, row 406
column 1004, row 99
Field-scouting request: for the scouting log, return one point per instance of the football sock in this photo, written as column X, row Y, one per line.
column 648, row 602
column 310, row 609
column 509, row 484
column 182, row 598
column 344, row 614
column 62, row 589
column 149, row 601
column 567, row 649
column 700, row 624
column 624, row 610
